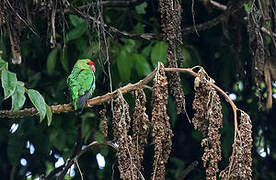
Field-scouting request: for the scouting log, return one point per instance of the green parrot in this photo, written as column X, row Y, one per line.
column 81, row 82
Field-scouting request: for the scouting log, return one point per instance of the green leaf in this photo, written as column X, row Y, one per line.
column 64, row 59
column 76, row 32
column 49, row 114
column 9, row 82
column 159, row 53
column 75, row 20
column 267, row 39
column 51, row 60
column 142, row 66
column 124, row 64
column 248, row 6
column 3, row 64
column 18, row 97
column 38, row 102
column 130, row 45
column 146, row 51
column 140, row 9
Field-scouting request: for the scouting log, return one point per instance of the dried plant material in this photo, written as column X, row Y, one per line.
column 171, row 26
column 162, row 132
column 241, row 161
column 270, row 75
column 208, row 120
column 53, row 41
column 126, row 150
column 140, row 127
column 256, row 44
column 15, row 47
column 14, row 14
column 104, row 125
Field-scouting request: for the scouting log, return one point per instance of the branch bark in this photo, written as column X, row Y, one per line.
column 109, row 96
column 90, row 103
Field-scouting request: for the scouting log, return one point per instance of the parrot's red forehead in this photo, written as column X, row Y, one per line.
column 90, row 63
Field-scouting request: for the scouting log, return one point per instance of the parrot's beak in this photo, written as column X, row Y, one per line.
column 93, row 68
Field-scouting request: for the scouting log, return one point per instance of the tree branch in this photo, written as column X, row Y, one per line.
column 187, row 170
column 230, row 9
column 119, row 4
column 145, row 36
column 152, row 36
column 109, row 96
column 90, row 103
column 70, row 162
column 218, row 5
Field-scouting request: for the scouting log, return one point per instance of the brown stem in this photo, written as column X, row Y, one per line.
column 90, row 103
column 234, row 107
column 109, row 96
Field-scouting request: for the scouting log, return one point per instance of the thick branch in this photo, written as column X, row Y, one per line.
column 109, row 96
column 90, row 103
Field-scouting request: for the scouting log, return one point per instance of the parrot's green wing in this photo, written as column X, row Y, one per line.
column 81, row 83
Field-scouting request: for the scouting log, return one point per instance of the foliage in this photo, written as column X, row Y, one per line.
column 17, row 91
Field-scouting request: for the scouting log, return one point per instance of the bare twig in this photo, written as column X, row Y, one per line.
column 146, row 36
column 120, row 4
column 73, row 160
column 77, row 164
column 272, row 34
column 152, row 36
column 234, row 107
column 187, row 170
column 218, row 5
column 193, row 15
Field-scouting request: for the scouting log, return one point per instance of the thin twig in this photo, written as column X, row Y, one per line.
column 77, row 164
column 193, row 15
column 182, row 175
column 71, row 161
column 234, row 107
column 119, row 4
column 218, row 5
column 146, row 36
column 272, row 34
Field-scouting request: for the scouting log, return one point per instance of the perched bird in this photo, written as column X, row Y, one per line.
column 81, row 82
